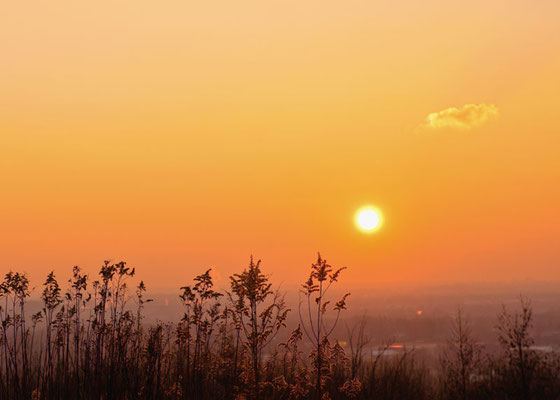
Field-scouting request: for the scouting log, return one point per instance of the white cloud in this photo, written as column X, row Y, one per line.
column 467, row 117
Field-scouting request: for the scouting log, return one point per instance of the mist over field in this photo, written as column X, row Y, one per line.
column 420, row 317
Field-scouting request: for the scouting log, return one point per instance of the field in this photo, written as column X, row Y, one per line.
column 90, row 340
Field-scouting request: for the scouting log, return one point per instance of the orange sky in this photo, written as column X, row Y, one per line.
column 179, row 136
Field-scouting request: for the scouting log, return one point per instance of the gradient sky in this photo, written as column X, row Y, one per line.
column 181, row 135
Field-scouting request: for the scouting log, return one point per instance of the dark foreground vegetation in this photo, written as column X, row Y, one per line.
column 89, row 342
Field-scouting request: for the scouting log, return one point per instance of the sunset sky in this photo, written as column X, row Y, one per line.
column 181, row 135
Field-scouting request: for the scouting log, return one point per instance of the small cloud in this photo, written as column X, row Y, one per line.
column 467, row 117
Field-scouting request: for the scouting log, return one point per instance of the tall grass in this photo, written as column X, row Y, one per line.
column 89, row 341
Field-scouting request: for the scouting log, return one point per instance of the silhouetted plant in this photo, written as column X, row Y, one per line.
column 194, row 332
column 516, row 341
column 51, row 300
column 259, row 311
column 460, row 359
column 358, row 340
column 15, row 290
column 315, row 290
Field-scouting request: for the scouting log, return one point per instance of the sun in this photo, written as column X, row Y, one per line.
column 368, row 219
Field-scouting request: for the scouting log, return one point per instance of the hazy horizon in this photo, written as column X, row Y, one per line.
column 172, row 286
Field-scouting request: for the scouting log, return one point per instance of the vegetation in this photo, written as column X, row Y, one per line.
column 89, row 341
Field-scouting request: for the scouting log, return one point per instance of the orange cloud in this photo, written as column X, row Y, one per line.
column 467, row 117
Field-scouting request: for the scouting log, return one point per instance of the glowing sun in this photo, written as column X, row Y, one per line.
column 368, row 219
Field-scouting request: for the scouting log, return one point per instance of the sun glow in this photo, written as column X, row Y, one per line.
column 368, row 219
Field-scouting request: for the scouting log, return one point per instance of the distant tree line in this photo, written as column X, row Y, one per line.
column 89, row 342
